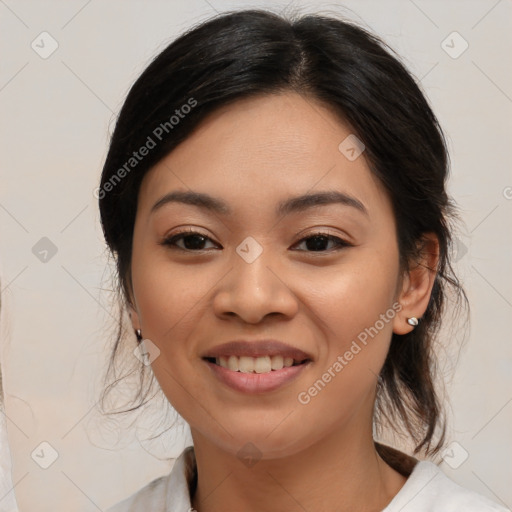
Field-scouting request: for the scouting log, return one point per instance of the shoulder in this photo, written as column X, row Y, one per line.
column 166, row 493
column 151, row 497
column 428, row 489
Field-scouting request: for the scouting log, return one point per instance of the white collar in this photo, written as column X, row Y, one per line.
column 427, row 489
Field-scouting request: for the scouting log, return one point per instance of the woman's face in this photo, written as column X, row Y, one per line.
column 264, row 273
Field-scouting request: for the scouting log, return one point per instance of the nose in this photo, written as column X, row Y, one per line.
column 254, row 290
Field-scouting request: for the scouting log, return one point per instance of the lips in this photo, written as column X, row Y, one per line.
column 244, row 366
column 257, row 383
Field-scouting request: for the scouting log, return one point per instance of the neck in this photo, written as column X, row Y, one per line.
column 339, row 472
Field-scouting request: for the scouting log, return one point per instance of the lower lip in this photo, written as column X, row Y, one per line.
column 257, row 382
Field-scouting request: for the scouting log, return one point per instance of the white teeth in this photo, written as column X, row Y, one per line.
column 246, row 364
column 277, row 362
column 262, row 364
column 232, row 363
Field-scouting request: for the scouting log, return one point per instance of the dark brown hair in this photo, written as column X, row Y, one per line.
column 252, row 52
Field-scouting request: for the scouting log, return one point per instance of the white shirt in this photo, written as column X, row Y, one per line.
column 7, row 498
column 427, row 489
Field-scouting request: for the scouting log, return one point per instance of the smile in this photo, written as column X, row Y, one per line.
column 256, row 374
column 262, row 364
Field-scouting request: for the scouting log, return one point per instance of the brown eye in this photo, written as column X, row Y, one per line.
column 318, row 241
column 192, row 241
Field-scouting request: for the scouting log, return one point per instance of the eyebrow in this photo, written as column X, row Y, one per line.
column 292, row 205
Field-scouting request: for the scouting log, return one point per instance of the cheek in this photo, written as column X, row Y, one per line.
column 356, row 315
column 352, row 296
column 356, row 307
column 167, row 297
column 169, row 300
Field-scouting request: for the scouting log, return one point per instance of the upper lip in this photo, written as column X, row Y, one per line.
column 257, row 348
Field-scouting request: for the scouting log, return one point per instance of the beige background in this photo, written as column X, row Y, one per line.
column 56, row 325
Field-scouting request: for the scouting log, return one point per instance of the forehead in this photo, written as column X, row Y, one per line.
column 263, row 149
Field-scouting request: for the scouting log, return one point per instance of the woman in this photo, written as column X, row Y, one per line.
column 274, row 197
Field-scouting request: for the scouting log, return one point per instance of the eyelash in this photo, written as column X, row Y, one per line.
column 170, row 241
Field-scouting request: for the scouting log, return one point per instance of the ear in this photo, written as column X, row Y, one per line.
column 417, row 284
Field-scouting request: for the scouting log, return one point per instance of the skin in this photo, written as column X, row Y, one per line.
column 253, row 154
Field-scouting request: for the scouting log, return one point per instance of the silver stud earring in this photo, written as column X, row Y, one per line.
column 138, row 334
column 412, row 321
